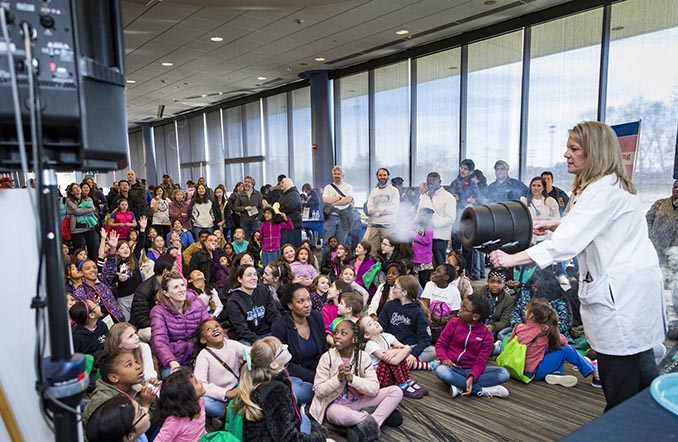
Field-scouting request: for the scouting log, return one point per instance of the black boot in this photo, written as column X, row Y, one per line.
column 366, row 430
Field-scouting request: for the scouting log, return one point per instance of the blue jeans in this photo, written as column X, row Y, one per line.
column 456, row 376
column 268, row 257
column 303, row 391
column 555, row 361
column 249, row 226
column 440, row 251
column 214, row 407
column 333, row 227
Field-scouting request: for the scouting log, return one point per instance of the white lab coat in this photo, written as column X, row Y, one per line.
column 620, row 282
column 444, row 207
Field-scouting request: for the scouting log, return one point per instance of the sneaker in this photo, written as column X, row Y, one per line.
column 497, row 348
column 566, row 380
column 454, row 391
column 595, row 383
column 496, row 391
column 433, row 365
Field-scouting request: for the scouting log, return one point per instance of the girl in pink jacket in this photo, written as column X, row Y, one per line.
column 270, row 234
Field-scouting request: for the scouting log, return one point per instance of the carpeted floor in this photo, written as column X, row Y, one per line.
column 534, row 412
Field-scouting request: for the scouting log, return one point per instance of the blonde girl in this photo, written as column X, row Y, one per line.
column 123, row 338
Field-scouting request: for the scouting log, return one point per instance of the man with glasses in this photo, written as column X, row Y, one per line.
column 505, row 188
column 249, row 206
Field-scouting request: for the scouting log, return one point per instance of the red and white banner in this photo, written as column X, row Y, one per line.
column 629, row 139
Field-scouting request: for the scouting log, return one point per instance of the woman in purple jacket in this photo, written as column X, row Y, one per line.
column 174, row 321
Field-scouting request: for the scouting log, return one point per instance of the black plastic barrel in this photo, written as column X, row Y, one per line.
column 506, row 226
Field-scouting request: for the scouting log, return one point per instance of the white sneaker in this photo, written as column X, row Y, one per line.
column 497, row 348
column 454, row 391
column 496, row 391
column 566, row 380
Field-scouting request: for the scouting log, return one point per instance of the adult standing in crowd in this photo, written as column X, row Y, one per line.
column 235, row 216
column 467, row 194
column 137, row 195
column 662, row 222
column 554, row 192
column 382, row 209
column 168, row 186
column 123, row 192
column 605, row 230
column 82, row 220
column 290, row 205
column 339, row 195
column 504, row 188
column 313, row 200
column 444, row 207
column 249, row 206
column 276, row 191
column 179, row 209
column 112, row 193
column 204, row 214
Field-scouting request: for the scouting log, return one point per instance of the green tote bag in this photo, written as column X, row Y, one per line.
column 512, row 358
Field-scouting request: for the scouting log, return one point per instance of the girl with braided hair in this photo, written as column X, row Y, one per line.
column 347, row 390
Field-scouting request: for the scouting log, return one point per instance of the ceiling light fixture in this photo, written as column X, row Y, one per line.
column 319, row 59
column 490, row 2
column 204, row 95
column 131, row 81
column 166, row 63
column 402, row 32
column 217, row 39
column 617, row 28
column 261, row 78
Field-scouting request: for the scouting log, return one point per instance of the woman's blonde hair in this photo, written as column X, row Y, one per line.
column 160, row 297
column 603, row 156
column 262, row 353
column 114, row 339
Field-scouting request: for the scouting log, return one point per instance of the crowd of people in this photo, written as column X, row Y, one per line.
column 198, row 306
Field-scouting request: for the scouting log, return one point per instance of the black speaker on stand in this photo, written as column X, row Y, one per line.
column 62, row 108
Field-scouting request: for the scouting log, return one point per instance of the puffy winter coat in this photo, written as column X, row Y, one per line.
column 172, row 332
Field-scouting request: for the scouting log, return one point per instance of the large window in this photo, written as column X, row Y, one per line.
column 302, row 160
column 437, row 116
column 494, row 83
column 275, row 126
column 564, row 72
column 353, row 150
column 391, row 121
column 643, row 85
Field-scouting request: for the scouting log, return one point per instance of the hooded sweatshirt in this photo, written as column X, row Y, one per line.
column 407, row 323
column 251, row 315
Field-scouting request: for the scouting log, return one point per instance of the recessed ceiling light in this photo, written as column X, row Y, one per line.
column 617, row 28
column 221, row 93
column 288, row 69
column 402, row 32
column 166, row 63
column 204, row 95
column 261, row 78
column 131, row 81
column 490, row 2
column 319, row 58
column 217, row 38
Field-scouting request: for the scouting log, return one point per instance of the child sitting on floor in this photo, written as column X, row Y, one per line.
column 464, row 348
column 349, row 308
column 547, row 348
column 390, row 358
column 346, row 387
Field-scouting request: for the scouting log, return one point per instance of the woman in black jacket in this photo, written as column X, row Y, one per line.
column 303, row 330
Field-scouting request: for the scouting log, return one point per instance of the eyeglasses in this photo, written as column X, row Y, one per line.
column 396, row 286
column 142, row 414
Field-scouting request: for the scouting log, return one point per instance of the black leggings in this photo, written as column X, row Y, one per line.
column 624, row 376
column 88, row 240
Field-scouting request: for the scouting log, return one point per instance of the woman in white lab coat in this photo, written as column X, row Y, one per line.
column 620, row 285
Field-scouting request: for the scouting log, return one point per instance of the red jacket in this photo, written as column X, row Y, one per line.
column 468, row 346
